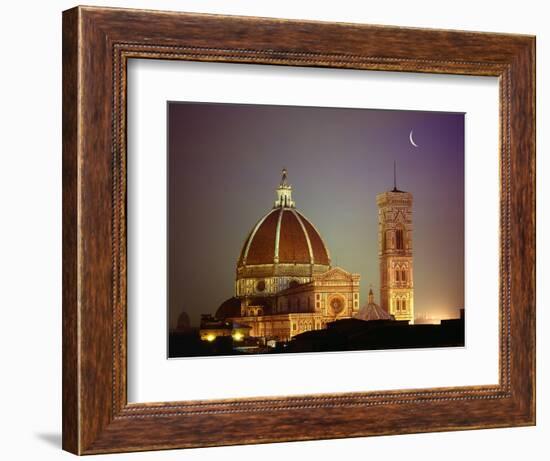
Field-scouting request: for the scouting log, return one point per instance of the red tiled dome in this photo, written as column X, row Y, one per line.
column 284, row 235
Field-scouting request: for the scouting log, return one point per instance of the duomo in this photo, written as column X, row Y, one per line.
column 286, row 283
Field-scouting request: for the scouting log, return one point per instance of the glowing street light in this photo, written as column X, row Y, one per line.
column 238, row 336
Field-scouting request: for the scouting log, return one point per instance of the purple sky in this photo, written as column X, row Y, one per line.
column 225, row 162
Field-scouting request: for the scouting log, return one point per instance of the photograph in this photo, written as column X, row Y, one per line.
column 296, row 229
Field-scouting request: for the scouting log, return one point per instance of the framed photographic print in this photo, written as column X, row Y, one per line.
column 281, row 230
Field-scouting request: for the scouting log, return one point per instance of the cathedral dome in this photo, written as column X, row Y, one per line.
column 284, row 236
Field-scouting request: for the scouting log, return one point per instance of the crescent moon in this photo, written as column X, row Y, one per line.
column 411, row 139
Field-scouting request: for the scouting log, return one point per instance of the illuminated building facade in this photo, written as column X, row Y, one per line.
column 395, row 250
column 285, row 284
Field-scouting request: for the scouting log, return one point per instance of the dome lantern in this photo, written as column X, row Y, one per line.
column 284, row 193
column 371, row 296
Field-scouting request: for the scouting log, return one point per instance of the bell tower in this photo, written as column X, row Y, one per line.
column 395, row 252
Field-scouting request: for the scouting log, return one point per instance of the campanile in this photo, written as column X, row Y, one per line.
column 395, row 253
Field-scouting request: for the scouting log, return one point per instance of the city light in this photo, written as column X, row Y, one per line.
column 238, row 336
column 210, row 337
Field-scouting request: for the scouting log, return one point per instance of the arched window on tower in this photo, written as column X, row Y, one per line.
column 403, row 275
column 398, row 304
column 397, row 275
column 399, row 239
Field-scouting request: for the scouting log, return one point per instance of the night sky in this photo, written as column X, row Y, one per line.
column 225, row 162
